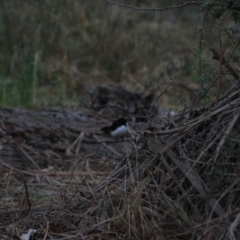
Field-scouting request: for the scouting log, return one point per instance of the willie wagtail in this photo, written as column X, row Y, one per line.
column 118, row 128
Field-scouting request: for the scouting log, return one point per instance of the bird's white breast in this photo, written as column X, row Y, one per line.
column 119, row 132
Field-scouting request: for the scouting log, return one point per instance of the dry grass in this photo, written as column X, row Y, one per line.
column 180, row 181
column 54, row 50
column 177, row 182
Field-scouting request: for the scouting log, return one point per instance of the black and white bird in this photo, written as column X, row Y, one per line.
column 118, row 128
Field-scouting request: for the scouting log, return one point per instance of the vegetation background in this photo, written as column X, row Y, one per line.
column 180, row 184
column 53, row 51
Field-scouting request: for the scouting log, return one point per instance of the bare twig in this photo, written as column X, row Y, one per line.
column 193, row 3
column 216, row 56
column 27, row 193
column 196, row 181
column 226, row 134
column 233, row 226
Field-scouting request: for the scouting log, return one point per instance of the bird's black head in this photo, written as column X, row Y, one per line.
column 121, row 121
